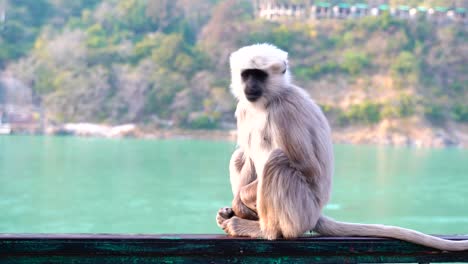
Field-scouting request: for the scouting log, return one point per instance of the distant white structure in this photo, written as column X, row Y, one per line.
column 342, row 10
column 272, row 10
column 269, row 10
column 401, row 11
column 359, row 10
column 5, row 129
column 96, row 130
column 321, row 10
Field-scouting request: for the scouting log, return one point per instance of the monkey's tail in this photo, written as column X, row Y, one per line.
column 329, row 227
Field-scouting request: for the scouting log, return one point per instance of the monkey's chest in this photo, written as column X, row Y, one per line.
column 254, row 137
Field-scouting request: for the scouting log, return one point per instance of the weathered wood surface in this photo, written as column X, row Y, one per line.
column 112, row 248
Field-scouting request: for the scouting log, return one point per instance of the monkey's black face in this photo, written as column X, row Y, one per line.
column 254, row 80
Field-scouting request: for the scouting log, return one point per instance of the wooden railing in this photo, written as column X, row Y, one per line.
column 111, row 248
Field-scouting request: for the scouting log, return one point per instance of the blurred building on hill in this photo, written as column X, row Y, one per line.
column 273, row 10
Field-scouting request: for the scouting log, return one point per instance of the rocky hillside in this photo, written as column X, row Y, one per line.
column 165, row 64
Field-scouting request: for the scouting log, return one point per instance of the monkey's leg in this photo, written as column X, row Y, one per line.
column 248, row 195
column 286, row 203
column 236, row 165
column 242, row 173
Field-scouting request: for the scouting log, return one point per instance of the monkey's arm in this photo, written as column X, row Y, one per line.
column 242, row 174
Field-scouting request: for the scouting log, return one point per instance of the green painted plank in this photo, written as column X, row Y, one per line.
column 102, row 248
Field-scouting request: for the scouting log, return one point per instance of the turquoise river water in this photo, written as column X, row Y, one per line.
column 89, row 185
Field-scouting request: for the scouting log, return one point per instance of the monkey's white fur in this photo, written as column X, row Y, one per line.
column 281, row 173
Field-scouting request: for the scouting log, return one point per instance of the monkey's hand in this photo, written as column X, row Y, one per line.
column 223, row 214
column 241, row 210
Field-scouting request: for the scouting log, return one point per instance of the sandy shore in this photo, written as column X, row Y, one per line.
column 386, row 133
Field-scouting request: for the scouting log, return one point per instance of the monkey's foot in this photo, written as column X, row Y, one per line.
column 230, row 226
column 236, row 226
column 224, row 214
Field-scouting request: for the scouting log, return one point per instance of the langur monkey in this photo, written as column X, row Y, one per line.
column 281, row 173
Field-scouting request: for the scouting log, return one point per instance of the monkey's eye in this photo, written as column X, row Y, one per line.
column 254, row 73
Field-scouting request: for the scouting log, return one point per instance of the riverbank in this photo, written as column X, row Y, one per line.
column 411, row 133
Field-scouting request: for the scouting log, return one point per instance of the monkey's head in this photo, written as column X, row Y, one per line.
column 258, row 72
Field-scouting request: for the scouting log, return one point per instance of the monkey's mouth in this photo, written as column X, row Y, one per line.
column 253, row 96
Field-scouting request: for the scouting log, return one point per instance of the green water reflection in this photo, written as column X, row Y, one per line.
column 66, row 184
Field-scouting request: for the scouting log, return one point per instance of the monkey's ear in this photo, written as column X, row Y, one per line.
column 279, row 67
column 285, row 67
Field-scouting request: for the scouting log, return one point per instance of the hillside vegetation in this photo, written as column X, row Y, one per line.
column 165, row 63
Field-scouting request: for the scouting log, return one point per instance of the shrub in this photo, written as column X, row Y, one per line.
column 315, row 71
column 434, row 114
column 389, row 111
column 460, row 113
column 406, row 106
column 367, row 112
column 354, row 62
column 203, row 122
column 457, row 87
column 405, row 63
column 97, row 36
